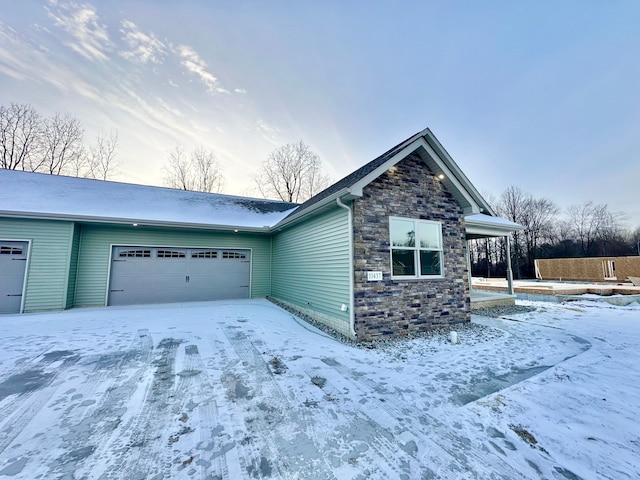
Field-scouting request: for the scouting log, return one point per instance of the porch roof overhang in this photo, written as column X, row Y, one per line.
column 479, row 225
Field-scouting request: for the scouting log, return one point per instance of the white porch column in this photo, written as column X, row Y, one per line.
column 469, row 277
column 509, row 271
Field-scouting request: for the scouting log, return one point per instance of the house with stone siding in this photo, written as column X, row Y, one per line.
column 382, row 252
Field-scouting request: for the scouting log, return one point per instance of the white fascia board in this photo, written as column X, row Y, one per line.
column 402, row 154
column 131, row 221
column 461, row 175
column 463, row 186
column 357, row 187
column 442, row 165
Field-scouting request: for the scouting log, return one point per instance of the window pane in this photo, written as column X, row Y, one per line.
column 430, row 263
column 430, row 235
column 403, row 262
column 403, row 233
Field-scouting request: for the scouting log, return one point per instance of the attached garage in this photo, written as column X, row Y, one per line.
column 13, row 263
column 142, row 275
column 95, row 243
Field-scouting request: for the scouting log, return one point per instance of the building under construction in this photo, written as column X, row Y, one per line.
column 592, row 269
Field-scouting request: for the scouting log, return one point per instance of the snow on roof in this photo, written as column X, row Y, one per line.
column 481, row 225
column 491, row 220
column 50, row 196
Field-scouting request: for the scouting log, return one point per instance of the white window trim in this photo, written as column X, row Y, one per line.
column 416, row 250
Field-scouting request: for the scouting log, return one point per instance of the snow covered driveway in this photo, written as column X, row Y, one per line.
column 242, row 390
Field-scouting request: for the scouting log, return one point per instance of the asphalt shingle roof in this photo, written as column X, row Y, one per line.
column 355, row 176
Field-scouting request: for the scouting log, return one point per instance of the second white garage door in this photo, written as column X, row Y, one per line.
column 141, row 275
column 13, row 261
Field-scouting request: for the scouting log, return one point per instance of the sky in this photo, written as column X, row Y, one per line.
column 539, row 95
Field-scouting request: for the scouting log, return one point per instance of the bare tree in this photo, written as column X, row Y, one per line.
column 512, row 206
column 199, row 172
column 594, row 227
column 291, row 173
column 79, row 165
column 20, row 131
column 538, row 221
column 102, row 161
column 207, row 172
column 585, row 220
column 62, row 144
column 635, row 239
column 178, row 170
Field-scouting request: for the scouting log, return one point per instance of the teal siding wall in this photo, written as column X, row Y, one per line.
column 310, row 265
column 48, row 263
column 73, row 265
column 95, row 247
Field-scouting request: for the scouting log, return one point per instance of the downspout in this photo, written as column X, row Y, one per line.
column 270, row 265
column 352, row 315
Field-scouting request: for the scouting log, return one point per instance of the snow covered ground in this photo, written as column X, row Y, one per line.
column 242, row 390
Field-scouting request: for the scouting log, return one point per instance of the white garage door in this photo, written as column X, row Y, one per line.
column 141, row 275
column 13, row 262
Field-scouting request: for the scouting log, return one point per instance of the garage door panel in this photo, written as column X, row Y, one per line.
column 165, row 274
column 146, row 288
column 13, row 262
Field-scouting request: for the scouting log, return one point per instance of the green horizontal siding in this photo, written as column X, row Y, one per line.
column 95, row 248
column 310, row 265
column 48, row 262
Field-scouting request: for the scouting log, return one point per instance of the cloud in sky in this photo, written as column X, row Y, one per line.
column 497, row 84
column 190, row 60
column 89, row 38
column 143, row 48
column 21, row 60
column 269, row 132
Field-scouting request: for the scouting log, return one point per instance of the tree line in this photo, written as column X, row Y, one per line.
column 291, row 172
column 583, row 230
column 53, row 145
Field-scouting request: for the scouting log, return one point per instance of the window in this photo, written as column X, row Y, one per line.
column 416, row 248
column 5, row 250
column 135, row 253
column 170, row 254
column 233, row 255
column 205, row 254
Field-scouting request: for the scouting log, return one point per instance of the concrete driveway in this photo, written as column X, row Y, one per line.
column 235, row 390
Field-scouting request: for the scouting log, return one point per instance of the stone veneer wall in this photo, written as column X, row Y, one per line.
column 392, row 307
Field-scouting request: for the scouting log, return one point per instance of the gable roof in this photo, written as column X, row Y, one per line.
column 425, row 146
column 37, row 195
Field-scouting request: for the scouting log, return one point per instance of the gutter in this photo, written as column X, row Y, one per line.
column 352, row 315
column 307, row 211
column 132, row 221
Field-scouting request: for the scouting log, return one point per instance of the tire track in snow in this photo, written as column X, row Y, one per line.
column 26, row 392
column 204, row 444
column 444, row 458
column 142, row 445
column 367, row 432
column 93, row 430
column 120, row 427
column 280, row 442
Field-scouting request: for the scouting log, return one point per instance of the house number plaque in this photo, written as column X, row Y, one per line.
column 374, row 276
